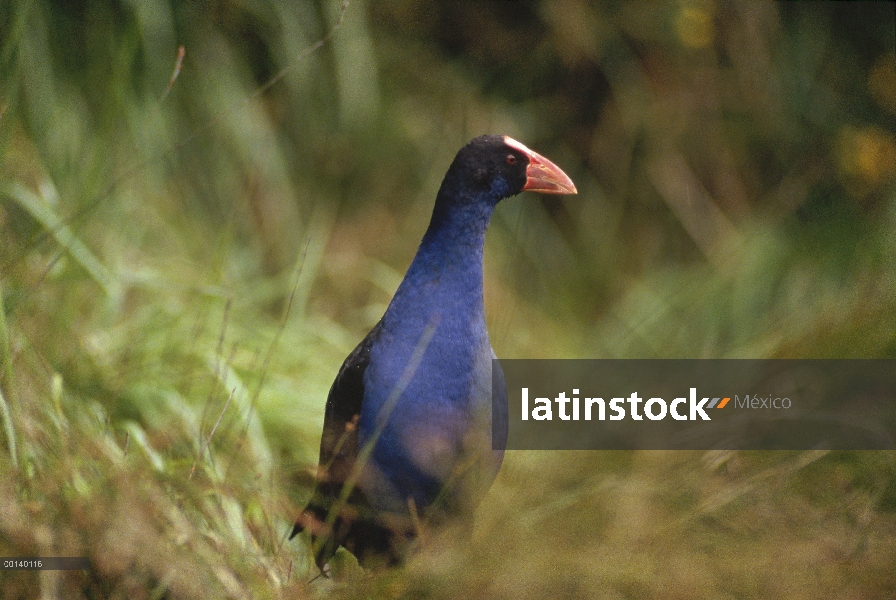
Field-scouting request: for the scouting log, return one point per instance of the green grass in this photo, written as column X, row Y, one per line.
column 183, row 272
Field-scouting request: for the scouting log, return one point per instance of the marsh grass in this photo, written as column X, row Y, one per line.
column 185, row 267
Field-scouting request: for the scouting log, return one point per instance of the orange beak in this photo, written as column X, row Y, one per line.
column 542, row 175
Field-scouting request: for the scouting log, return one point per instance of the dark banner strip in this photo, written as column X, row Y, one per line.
column 735, row 404
column 44, row 563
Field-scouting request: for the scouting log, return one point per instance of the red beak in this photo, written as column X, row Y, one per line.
column 542, row 175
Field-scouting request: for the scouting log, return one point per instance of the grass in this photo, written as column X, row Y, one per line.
column 184, row 268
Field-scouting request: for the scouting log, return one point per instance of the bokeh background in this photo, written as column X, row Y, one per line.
column 191, row 244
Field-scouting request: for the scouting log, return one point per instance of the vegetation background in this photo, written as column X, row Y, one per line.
column 189, row 247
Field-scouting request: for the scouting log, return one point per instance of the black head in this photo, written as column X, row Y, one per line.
column 497, row 166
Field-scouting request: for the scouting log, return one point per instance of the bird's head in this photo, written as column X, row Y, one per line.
column 498, row 166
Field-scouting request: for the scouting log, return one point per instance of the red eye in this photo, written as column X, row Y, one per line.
column 511, row 159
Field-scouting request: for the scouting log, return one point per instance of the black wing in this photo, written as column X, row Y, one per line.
column 353, row 527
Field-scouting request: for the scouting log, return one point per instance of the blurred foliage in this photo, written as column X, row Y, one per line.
column 190, row 247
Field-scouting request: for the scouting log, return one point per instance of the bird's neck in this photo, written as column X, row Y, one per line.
column 446, row 274
column 456, row 233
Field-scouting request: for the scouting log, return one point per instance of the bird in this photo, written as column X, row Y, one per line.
column 415, row 423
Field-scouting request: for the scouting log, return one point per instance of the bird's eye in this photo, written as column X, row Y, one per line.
column 511, row 159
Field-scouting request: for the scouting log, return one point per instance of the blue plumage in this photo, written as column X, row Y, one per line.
column 408, row 424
